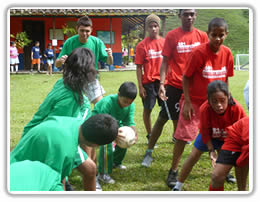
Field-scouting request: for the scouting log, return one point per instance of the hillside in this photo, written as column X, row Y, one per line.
column 237, row 19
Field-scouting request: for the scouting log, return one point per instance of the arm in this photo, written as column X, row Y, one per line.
column 188, row 110
column 163, row 72
column 142, row 91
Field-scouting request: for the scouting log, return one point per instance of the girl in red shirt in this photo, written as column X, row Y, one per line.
column 234, row 152
column 218, row 112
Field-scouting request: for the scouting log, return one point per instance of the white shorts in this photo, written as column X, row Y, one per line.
column 14, row 61
column 50, row 61
column 94, row 90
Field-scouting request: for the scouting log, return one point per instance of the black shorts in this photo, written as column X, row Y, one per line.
column 152, row 95
column 228, row 157
column 174, row 95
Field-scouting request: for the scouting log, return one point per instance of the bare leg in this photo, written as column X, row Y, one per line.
column 147, row 120
column 88, row 171
column 177, row 153
column 156, row 131
column 219, row 175
column 241, row 175
column 189, row 163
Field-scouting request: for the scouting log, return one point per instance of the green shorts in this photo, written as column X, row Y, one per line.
column 80, row 157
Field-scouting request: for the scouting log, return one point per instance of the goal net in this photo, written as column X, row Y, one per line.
column 242, row 62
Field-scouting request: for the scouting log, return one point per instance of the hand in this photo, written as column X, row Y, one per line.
column 120, row 137
column 63, row 59
column 188, row 111
column 109, row 51
column 142, row 92
column 162, row 93
column 213, row 158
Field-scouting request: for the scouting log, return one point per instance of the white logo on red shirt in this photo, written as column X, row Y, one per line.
column 154, row 54
column 217, row 133
column 183, row 48
column 209, row 73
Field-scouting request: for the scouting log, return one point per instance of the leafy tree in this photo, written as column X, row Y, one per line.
column 69, row 31
column 21, row 39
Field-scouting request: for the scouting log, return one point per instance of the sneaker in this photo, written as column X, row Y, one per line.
column 189, row 142
column 106, row 178
column 172, row 178
column 230, row 178
column 68, row 186
column 38, row 71
column 175, row 189
column 98, row 186
column 147, row 159
column 121, row 167
column 173, row 139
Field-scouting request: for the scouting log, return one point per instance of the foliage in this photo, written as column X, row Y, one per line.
column 26, row 98
column 69, row 31
column 21, row 39
column 132, row 38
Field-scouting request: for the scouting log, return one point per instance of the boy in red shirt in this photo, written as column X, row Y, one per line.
column 206, row 63
column 148, row 60
column 178, row 44
column 218, row 112
column 234, row 152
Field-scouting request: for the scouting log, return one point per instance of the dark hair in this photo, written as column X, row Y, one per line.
column 12, row 43
column 100, row 129
column 49, row 44
column 84, row 21
column 219, row 85
column 128, row 89
column 79, row 70
column 217, row 22
column 36, row 42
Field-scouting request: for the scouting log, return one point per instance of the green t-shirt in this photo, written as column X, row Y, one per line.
column 34, row 176
column 53, row 142
column 94, row 44
column 61, row 101
column 109, row 105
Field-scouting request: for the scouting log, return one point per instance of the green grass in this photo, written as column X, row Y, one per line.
column 28, row 91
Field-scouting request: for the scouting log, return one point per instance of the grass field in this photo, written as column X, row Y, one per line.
column 28, row 91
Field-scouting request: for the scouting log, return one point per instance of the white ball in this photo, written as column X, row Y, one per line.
column 129, row 139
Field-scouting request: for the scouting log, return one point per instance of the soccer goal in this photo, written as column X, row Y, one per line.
column 242, row 62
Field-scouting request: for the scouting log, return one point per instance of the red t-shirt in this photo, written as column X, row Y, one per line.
column 177, row 47
column 212, row 125
column 238, row 140
column 204, row 66
column 149, row 54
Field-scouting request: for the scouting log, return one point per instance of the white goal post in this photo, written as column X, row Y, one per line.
column 242, row 62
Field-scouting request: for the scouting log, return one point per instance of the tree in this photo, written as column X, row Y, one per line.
column 21, row 39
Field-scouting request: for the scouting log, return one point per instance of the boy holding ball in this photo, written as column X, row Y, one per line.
column 121, row 107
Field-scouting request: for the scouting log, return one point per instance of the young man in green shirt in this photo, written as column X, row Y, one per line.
column 55, row 141
column 121, row 107
column 34, row 176
column 101, row 53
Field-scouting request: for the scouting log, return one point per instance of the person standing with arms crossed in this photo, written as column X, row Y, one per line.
column 148, row 60
column 178, row 44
